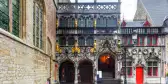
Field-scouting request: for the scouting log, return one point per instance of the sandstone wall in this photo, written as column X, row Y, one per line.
column 20, row 61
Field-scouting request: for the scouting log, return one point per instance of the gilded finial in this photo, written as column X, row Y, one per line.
column 76, row 23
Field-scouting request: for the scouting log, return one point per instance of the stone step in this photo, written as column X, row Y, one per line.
column 110, row 81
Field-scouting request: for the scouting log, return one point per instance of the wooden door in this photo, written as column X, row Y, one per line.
column 139, row 75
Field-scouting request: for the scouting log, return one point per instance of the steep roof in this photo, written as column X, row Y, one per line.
column 157, row 10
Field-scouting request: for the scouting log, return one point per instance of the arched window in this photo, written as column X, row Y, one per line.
column 90, row 41
column 62, row 41
column 71, row 22
column 81, row 41
column 38, row 23
column 101, row 22
column 61, row 22
column 89, row 21
column 71, row 41
column 81, row 22
column 111, row 22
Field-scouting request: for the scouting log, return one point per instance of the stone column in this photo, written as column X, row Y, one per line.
column 95, row 72
column 76, row 73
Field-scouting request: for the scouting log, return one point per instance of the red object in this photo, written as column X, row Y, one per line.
column 147, row 23
column 139, row 75
column 123, row 24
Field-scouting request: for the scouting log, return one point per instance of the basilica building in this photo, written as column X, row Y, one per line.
column 93, row 46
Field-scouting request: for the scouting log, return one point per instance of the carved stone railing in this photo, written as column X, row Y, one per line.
column 109, row 30
column 113, row 7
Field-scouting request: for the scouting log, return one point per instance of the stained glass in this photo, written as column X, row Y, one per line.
column 81, row 41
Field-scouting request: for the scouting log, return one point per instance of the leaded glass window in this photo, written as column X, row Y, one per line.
column 71, row 22
column 101, row 22
column 71, row 41
column 4, row 15
column 38, row 24
column 89, row 22
column 15, row 13
column 81, row 22
column 90, row 41
column 128, row 68
column 81, row 41
column 111, row 22
column 62, row 41
column 152, row 68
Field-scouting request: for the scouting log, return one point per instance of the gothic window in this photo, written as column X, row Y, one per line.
column 101, row 22
column 4, row 12
column 89, row 22
column 71, row 41
column 128, row 68
column 62, row 41
column 71, row 22
column 61, row 22
column 38, row 21
column 15, row 13
column 152, row 68
column 81, row 22
column 111, row 22
column 89, row 41
column 81, row 41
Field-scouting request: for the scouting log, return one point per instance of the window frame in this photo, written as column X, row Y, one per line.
column 139, row 40
column 151, row 66
column 127, row 67
column 39, row 24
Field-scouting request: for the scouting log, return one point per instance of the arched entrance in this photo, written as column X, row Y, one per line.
column 67, row 72
column 85, row 72
column 106, row 64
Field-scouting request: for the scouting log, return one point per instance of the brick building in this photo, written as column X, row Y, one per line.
column 27, row 41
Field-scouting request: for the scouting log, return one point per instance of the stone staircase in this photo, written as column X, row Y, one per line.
column 108, row 79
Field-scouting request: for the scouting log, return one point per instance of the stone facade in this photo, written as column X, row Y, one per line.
column 21, row 62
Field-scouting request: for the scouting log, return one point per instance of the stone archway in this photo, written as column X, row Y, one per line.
column 66, row 72
column 106, row 64
column 85, row 74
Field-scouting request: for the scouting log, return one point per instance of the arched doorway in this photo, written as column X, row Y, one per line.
column 85, row 72
column 106, row 64
column 67, row 72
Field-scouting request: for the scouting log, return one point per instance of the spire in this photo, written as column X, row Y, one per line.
column 146, row 23
column 123, row 24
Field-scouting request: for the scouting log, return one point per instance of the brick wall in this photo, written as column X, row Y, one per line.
column 20, row 61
